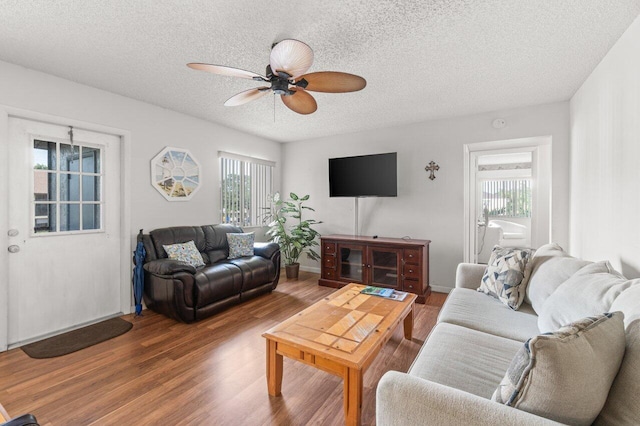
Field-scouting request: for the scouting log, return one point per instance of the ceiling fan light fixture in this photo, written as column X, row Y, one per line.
column 291, row 56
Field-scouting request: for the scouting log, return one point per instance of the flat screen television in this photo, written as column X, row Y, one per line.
column 364, row 176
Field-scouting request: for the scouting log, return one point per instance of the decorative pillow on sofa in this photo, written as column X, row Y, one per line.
column 503, row 277
column 185, row 252
column 590, row 291
column 566, row 376
column 240, row 244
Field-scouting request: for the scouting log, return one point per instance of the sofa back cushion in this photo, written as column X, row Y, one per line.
column 549, row 267
column 590, row 291
column 175, row 235
column 623, row 404
column 629, row 302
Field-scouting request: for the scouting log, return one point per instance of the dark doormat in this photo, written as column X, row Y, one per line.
column 77, row 339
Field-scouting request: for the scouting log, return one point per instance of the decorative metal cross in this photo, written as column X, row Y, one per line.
column 431, row 168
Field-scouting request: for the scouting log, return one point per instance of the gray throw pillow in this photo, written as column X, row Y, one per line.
column 566, row 375
column 503, row 277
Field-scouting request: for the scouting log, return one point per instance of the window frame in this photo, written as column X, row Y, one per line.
column 57, row 202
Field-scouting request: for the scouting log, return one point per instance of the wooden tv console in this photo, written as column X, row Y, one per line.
column 398, row 263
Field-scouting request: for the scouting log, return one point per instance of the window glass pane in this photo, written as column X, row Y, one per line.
column 91, row 216
column 69, row 187
column 44, row 185
column 44, row 155
column 45, row 218
column 90, row 160
column 69, row 217
column 90, row 188
column 69, row 158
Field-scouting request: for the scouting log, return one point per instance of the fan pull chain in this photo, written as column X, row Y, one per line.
column 274, row 107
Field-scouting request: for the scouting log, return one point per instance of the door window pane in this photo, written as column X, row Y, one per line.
column 91, row 216
column 44, row 185
column 90, row 160
column 69, row 158
column 69, row 217
column 69, row 187
column 90, row 188
column 44, row 218
column 44, row 155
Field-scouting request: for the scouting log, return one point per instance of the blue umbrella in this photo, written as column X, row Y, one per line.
column 138, row 273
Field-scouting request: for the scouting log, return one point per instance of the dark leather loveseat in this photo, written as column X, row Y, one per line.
column 188, row 294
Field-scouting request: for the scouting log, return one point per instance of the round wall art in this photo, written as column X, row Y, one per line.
column 175, row 174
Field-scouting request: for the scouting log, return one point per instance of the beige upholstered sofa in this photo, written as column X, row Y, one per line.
column 466, row 355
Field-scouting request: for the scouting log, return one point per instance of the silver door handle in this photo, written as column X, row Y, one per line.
column 13, row 248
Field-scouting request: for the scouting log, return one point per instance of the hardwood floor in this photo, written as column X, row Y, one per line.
column 212, row 372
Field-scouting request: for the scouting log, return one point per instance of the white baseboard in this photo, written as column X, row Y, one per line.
column 310, row 269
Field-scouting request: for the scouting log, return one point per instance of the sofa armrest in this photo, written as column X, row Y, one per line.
column 469, row 275
column 266, row 250
column 404, row 400
column 168, row 267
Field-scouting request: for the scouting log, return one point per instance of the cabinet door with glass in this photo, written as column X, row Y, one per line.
column 385, row 267
column 351, row 263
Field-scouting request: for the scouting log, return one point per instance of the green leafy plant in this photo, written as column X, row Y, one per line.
column 293, row 239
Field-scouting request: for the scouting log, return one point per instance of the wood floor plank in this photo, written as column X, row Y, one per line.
column 210, row 372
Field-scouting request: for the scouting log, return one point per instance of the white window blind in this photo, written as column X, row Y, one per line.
column 245, row 187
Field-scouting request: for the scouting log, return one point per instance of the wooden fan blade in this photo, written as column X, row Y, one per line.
column 228, row 71
column 291, row 56
column 300, row 102
column 333, row 82
column 247, row 96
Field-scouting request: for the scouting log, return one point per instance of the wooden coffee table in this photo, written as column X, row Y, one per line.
column 341, row 334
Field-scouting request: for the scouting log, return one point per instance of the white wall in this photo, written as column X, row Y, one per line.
column 424, row 209
column 605, row 155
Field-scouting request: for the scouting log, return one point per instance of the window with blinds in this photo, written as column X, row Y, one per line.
column 246, row 185
column 507, row 197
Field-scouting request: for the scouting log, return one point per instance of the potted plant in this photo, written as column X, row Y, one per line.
column 293, row 239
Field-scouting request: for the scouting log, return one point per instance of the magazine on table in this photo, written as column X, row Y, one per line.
column 387, row 293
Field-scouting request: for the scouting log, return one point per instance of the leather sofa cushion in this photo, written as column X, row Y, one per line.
column 177, row 234
column 216, row 237
column 256, row 271
column 216, row 282
column 216, row 256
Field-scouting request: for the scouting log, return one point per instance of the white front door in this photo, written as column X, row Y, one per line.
column 64, row 229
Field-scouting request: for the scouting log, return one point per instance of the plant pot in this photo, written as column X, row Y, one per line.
column 292, row 271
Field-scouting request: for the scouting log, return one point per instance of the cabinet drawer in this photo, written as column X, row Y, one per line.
column 329, row 262
column 329, row 248
column 329, row 274
column 412, row 286
column 412, row 272
column 412, row 256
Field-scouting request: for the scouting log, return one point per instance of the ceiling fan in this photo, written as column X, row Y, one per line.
column 288, row 62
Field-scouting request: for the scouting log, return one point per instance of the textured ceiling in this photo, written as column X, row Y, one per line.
column 422, row 59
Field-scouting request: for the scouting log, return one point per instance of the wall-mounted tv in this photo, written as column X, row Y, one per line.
column 364, row 176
